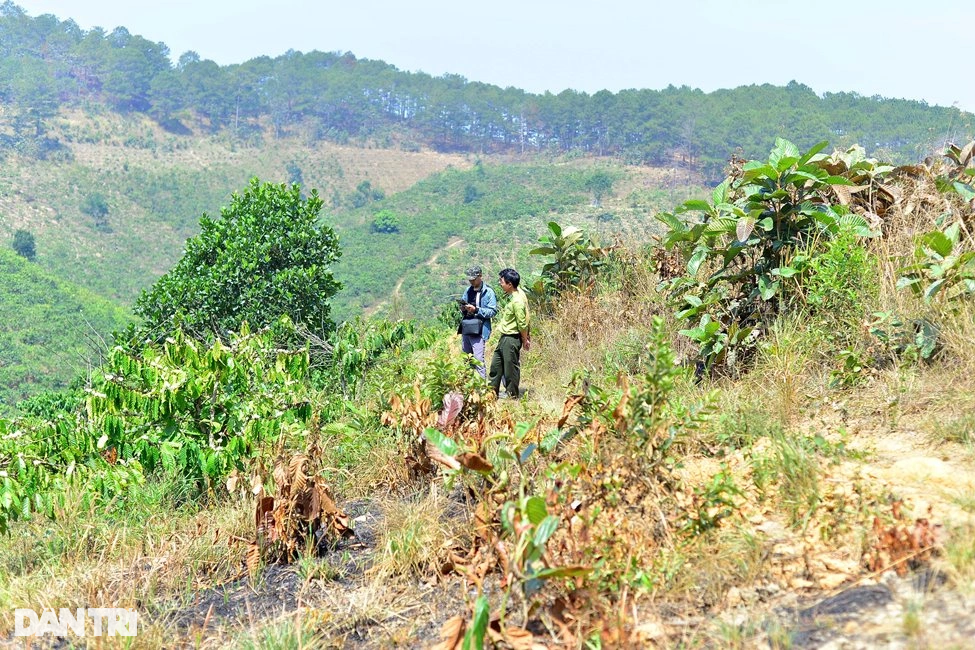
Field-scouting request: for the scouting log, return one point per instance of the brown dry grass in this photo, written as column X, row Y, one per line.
column 416, row 534
column 87, row 559
column 586, row 326
column 661, row 586
column 109, row 147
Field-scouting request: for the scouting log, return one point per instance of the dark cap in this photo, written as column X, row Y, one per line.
column 473, row 272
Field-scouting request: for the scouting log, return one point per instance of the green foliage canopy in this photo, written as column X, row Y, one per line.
column 46, row 63
column 386, row 221
column 753, row 246
column 24, row 244
column 600, row 183
column 266, row 256
column 95, row 205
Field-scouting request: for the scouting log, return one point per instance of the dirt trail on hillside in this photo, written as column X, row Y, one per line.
column 451, row 243
column 920, row 609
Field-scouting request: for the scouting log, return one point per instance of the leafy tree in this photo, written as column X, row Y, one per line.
column 266, row 256
column 45, row 62
column 31, row 92
column 365, row 193
column 386, row 221
column 96, row 206
column 24, row 244
column 599, row 183
column 471, row 194
column 209, row 90
column 165, row 97
column 295, row 175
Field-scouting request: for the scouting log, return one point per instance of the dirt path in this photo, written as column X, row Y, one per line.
column 451, row 243
column 920, row 609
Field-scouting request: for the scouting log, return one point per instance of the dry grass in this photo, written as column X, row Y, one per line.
column 593, row 330
column 787, row 372
column 87, row 558
column 325, row 165
column 801, row 530
column 416, row 535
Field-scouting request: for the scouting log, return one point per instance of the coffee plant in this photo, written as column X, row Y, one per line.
column 197, row 411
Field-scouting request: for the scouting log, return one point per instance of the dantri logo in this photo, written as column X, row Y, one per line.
column 110, row 621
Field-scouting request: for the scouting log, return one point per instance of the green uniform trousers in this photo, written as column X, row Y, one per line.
column 507, row 362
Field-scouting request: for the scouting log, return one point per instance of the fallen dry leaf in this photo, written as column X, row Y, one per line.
column 451, row 634
column 476, row 462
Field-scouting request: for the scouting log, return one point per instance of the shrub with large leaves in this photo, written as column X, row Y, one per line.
column 747, row 254
column 944, row 265
column 576, row 259
column 266, row 256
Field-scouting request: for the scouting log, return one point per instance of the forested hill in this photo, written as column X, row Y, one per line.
column 46, row 63
column 53, row 330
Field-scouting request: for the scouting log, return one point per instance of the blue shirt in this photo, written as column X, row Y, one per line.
column 487, row 309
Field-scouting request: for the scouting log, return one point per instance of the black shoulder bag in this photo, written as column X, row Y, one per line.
column 472, row 325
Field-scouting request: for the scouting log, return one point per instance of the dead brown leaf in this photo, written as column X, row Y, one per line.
column 570, row 403
column 451, row 634
column 475, row 462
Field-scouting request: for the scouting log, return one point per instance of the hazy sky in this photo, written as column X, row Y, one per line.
column 893, row 48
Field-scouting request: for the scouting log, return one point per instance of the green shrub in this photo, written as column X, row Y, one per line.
column 24, row 244
column 748, row 256
column 96, row 206
column 386, row 221
column 944, row 265
column 841, row 281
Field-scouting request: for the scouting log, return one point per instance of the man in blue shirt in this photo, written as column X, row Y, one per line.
column 480, row 303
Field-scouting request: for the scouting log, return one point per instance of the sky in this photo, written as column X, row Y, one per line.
column 892, row 48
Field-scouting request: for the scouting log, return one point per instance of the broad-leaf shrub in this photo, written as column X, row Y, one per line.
column 199, row 411
column 39, row 458
column 747, row 255
column 840, row 282
column 960, row 178
column 358, row 344
column 576, row 259
column 944, row 266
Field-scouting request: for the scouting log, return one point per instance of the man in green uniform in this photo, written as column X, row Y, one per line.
column 512, row 325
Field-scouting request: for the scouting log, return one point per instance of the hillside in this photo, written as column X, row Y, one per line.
column 154, row 187
column 336, row 97
column 53, row 332
column 111, row 214
column 752, row 433
column 746, row 423
column 491, row 215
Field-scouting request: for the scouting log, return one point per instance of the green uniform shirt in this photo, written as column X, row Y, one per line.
column 514, row 316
